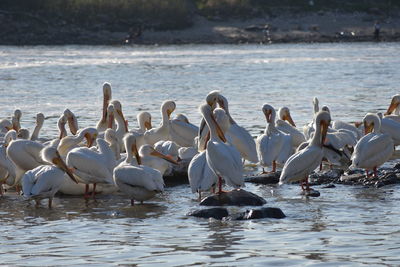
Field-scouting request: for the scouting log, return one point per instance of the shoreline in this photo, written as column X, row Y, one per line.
column 319, row 27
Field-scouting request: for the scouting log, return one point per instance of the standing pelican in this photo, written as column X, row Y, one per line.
column 102, row 125
column 45, row 180
column 393, row 111
column 137, row 181
column 289, row 127
column 302, row 163
column 92, row 167
column 223, row 159
column 161, row 133
column 241, row 138
column 273, row 146
column 374, row 148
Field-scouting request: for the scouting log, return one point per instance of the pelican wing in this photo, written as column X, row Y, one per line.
column 201, row 177
column 297, row 136
column 243, row 141
column 183, row 133
column 373, row 150
column 25, row 154
column 139, row 176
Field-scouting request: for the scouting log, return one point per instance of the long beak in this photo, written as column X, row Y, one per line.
column 110, row 120
column 324, row 130
column 160, row 155
column 122, row 116
column 147, row 125
column 61, row 164
column 106, row 100
column 368, row 127
column 73, row 125
column 391, row 108
column 290, row 120
column 169, row 112
column 268, row 115
column 89, row 139
column 357, row 124
column 219, row 130
column 202, row 126
column 136, row 153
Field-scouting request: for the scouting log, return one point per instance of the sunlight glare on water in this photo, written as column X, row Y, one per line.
column 345, row 226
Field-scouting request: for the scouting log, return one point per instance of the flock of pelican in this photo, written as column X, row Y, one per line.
column 112, row 157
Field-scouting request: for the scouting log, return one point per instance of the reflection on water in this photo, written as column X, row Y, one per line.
column 345, row 226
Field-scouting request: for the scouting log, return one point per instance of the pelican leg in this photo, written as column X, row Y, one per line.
column 375, row 173
column 219, row 185
column 17, row 189
column 320, row 167
column 94, row 191
column 86, row 195
column 199, row 195
column 132, row 202
column 274, row 166
column 50, row 202
column 37, row 203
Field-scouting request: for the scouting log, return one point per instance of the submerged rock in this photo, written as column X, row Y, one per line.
column 269, row 178
column 216, row 213
column 311, row 193
column 237, row 197
column 267, row 212
column 385, row 177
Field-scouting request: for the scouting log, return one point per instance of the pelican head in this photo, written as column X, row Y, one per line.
column 51, row 155
column 9, row 136
column 393, row 105
column 212, row 98
column 144, row 120
column 323, row 119
column 90, row 134
column 110, row 114
column 6, row 124
column 325, row 108
column 107, row 91
column 284, row 114
column 61, row 126
column 110, row 136
column 17, row 114
column 72, row 121
column 23, row 133
column 40, row 119
column 118, row 108
column 181, row 117
column 269, row 113
column 315, row 104
column 148, row 150
column 206, row 111
column 168, row 107
column 131, row 147
column 222, row 119
column 372, row 123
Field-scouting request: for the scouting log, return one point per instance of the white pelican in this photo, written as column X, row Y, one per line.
column 182, row 131
column 302, row 163
column 111, row 137
column 391, row 127
column 289, row 128
column 373, row 149
column 16, row 120
column 61, row 132
column 23, row 134
column 103, row 123
column 273, row 146
column 138, row 182
column 341, row 125
column 39, row 125
column 201, row 139
column 241, row 138
column 72, row 121
column 45, row 180
column 223, row 159
column 154, row 159
column 144, row 122
column 92, row 167
column 160, row 133
column 25, row 154
column 201, row 177
column 393, row 111
column 70, row 142
column 309, row 128
column 5, row 126
column 7, row 167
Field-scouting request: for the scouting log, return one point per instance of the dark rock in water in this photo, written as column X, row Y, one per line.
column 397, row 166
column 237, row 197
column 216, row 213
column 178, row 174
column 311, row 193
column 352, row 178
column 390, row 178
column 267, row 212
column 326, row 177
column 329, row 186
column 269, row 178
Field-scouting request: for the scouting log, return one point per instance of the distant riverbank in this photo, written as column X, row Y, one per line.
column 30, row 29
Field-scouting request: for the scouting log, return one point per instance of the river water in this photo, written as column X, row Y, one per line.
column 346, row 225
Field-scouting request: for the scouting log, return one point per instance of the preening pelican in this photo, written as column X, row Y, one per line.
column 122, row 127
column 302, row 163
column 138, row 182
column 182, row 131
column 308, row 129
column 391, row 127
column 201, row 139
column 111, row 137
column 154, row 159
column 72, row 121
column 393, row 111
column 16, row 120
column 223, row 159
column 45, row 180
column 23, row 134
column 161, row 133
column 5, row 126
column 70, row 142
column 273, row 146
column 289, row 128
column 201, row 177
column 373, row 149
column 103, row 123
column 92, row 167
column 241, row 138
column 144, row 122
